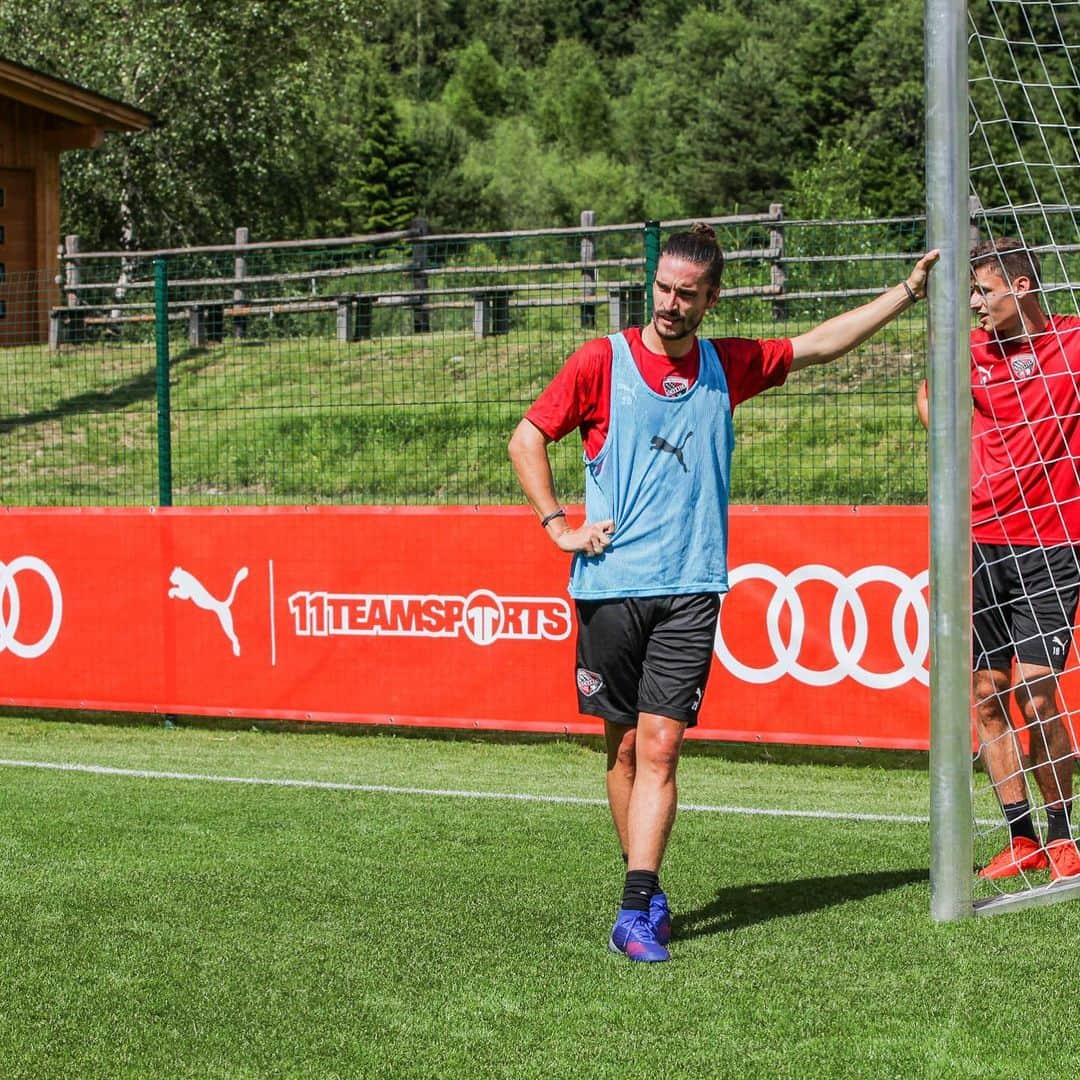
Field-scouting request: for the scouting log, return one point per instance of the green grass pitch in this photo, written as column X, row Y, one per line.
column 185, row 927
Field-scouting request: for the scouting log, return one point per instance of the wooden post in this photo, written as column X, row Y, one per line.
column 71, row 268
column 344, row 318
column 480, row 315
column 240, row 271
column 777, row 274
column 626, row 306
column 354, row 317
column 71, row 327
column 421, row 316
column 119, row 293
column 588, row 272
column 491, row 312
column 196, row 327
column 615, row 311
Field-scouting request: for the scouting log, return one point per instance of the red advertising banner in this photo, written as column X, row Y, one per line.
column 447, row 617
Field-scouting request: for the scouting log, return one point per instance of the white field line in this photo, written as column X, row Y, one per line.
column 506, row 796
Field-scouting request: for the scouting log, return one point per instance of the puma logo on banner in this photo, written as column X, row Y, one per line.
column 188, row 587
column 658, row 443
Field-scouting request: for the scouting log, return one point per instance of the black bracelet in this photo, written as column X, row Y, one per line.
column 910, row 291
column 544, row 521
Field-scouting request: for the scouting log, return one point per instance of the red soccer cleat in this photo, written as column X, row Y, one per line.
column 1021, row 854
column 1064, row 860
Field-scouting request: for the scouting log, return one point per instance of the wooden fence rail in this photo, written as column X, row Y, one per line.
column 417, row 275
column 416, row 282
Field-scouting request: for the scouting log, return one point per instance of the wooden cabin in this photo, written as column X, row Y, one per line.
column 41, row 117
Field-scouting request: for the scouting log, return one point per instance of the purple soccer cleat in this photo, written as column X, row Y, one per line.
column 660, row 917
column 634, row 937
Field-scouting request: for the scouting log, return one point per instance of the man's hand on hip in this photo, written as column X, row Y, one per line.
column 590, row 538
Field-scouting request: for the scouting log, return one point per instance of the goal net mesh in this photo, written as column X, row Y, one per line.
column 1024, row 91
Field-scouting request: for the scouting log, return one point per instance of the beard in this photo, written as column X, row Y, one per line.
column 679, row 327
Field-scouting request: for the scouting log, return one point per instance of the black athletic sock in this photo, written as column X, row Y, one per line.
column 1018, row 815
column 638, row 889
column 1057, row 823
column 626, row 863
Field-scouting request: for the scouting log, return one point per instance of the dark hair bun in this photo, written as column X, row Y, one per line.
column 699, row 245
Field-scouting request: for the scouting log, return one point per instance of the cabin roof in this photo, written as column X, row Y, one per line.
column 69, row 101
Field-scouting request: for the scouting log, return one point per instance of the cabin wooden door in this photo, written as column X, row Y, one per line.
column 18, row 282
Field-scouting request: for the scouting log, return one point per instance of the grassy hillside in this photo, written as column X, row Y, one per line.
column 409, row 420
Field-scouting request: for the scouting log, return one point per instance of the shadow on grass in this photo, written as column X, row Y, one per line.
column 139, row 388
column 745, row 905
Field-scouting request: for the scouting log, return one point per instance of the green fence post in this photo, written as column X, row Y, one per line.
column 652, row 257
column 164, row 412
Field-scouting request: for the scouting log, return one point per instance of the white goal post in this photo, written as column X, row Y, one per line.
column 948, row 454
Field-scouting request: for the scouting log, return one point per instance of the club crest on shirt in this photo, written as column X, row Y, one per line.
column 588, row 682
column 675, row 385
column 1023, row 364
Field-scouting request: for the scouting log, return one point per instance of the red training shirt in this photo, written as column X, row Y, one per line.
column 1025, row 484
column 580, row 394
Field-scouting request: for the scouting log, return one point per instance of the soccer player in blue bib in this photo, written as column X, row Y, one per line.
column 649, row 563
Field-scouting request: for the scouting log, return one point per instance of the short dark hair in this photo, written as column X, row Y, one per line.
column 698, row 245
column 1010, row 256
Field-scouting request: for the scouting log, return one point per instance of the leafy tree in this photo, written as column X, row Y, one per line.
column 887, row 122
column 831, row 186
column 231, row 85
column 523, row 183
column 369, row 160
column 709, row 116
column 823, row 39
column 572, row 107
column 445, row 199
column 478, row 91
column 304, row 116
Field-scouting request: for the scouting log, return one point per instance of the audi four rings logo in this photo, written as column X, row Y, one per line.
column 910, row 597
column 11, row 606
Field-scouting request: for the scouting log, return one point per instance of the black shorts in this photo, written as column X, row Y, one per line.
column 645, row 654
column 1023, row 604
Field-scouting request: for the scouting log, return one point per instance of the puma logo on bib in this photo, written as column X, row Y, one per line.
column 658, row 443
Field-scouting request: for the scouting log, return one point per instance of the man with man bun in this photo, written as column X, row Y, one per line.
column 649, row 562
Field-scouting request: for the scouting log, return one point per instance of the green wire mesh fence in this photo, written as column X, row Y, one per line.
column 393, row 369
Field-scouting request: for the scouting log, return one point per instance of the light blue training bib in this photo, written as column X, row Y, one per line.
column 663, row 476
